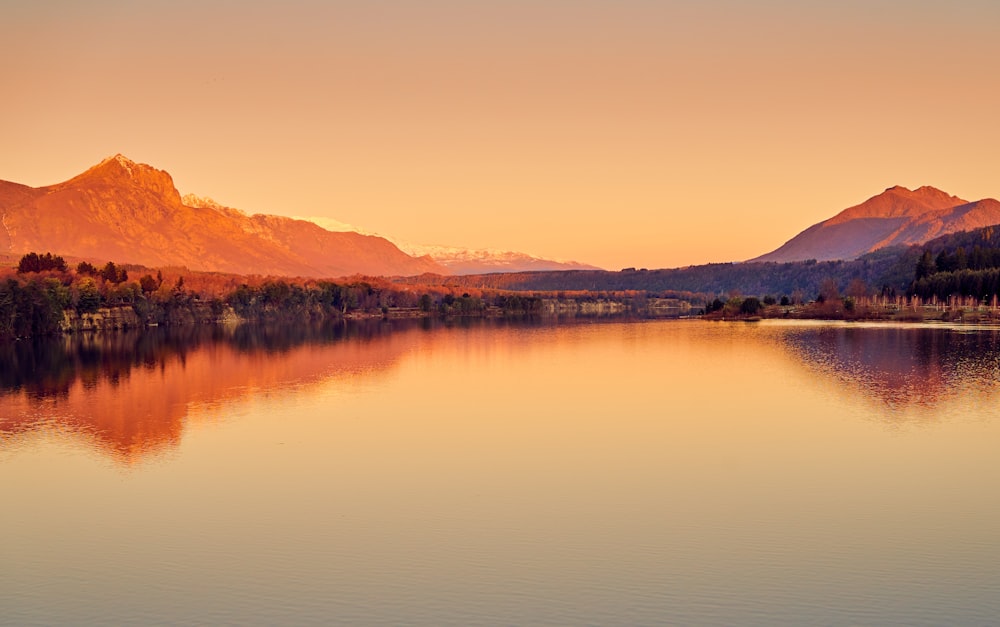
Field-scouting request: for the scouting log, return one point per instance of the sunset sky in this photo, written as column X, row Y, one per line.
column 620, row 133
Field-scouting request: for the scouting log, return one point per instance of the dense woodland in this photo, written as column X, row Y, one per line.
column 960, row 265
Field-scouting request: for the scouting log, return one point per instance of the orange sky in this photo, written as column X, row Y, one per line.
column 621, row 133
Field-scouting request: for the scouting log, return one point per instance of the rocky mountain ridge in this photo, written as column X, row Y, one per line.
column 132, row 213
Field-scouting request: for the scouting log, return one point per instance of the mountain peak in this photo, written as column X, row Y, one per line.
column 923, row 192
column 121, row 166
column 132, row 213
column 898, row 201
column 121, row 160
column 119, row 169
column 933, row 192
column 897, row 216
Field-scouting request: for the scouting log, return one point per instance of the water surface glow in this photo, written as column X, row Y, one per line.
column 618, row 473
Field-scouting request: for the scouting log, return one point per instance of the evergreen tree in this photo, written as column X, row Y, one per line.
column 926, row 266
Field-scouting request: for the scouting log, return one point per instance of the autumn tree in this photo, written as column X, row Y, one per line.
column 148, row 284
column 87, row 268
column 857, row 289
column 828, row 291
column 113, row 274
column 88, row 299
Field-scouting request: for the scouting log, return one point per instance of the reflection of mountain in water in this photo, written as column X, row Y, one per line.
column 130, row 392
column 905, row 366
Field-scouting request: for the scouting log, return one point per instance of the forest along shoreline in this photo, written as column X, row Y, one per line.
column 44, row 296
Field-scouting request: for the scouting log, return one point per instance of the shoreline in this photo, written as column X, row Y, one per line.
column 126, row 318
column 866, row 310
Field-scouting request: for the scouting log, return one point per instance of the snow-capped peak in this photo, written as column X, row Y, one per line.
column 334, row 225
column 199, row 202
column 458, row 259
column 459, row 253
column 126, row 163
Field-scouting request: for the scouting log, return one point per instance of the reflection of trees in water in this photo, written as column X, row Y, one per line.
column 129, row 393
column 48, row 367
column 904, row 366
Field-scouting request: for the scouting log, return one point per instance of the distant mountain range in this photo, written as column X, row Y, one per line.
column 482, row 261
column 128, row 212
column 462, row 261
column 896, row 217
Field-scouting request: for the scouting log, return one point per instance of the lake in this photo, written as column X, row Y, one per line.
column 614, row 473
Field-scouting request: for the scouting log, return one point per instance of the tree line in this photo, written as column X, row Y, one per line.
column 889, row 268
column 964, row 264
column 43, row 291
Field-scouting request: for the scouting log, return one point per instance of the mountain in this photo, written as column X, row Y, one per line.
column 129, row 212
column 897, row 216
column 460, row 261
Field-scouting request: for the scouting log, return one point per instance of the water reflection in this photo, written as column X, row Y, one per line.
column 130, row 393
column 641, row 473
column 902, row 367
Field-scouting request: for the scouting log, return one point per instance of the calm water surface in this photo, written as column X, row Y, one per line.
column 673, row 472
